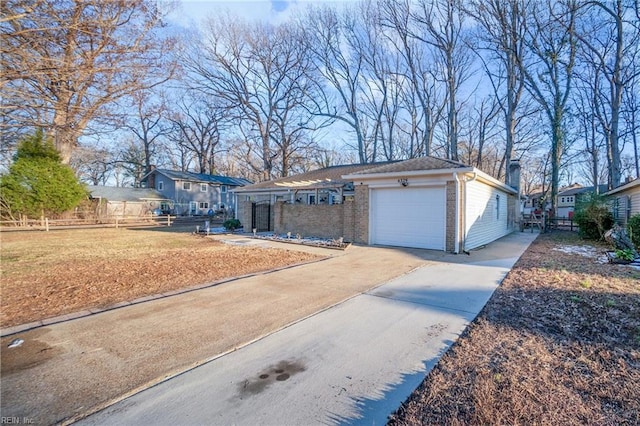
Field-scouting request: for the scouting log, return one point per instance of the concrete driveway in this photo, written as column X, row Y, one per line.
column 351, row 364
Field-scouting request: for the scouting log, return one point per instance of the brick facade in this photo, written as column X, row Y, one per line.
column 349, row 220
column 321, row 220
column 361, row 219
column 244, row 214
column 450, row 235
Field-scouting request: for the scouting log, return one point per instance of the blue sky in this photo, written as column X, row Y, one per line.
column 275, row 11
column 269, row 10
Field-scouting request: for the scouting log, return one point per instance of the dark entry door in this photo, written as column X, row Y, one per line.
column 261, row 216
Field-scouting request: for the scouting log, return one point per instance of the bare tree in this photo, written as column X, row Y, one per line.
column 93, row 164
column 255, row 71
column 586, row 113
column 615, row 52
column 419, row 94
column 337, row 58
column 148, row 122
column 130, row 162
column 502, row 33
column 64, row 62
column 631, row 114
column 197, row 125
column 481, row 129
column 549, row 72
column 444, row 26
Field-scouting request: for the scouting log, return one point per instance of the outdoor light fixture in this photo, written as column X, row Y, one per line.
column 403, row 182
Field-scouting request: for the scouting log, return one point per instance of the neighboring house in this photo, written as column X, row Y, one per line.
column 193, row 194
column 568, row 198
column 625, row 201
column 532, row 202
column 124, row 202
column 424, row 202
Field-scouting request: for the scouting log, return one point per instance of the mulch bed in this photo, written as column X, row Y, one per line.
column 329, row 243
column 558, row 343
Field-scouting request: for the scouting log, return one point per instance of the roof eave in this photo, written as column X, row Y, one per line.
column 354, row 177
column 288, row 188
column 490, row 180
column 624, row 187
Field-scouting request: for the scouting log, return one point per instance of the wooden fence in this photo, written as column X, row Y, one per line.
column 46, row 224
column 564, row 223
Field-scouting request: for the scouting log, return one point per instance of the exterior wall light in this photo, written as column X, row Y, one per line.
column 403, row 182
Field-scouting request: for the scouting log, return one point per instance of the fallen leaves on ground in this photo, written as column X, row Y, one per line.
column 558, row 343
column 53, row 284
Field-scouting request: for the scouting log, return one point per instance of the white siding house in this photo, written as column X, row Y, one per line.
column 485, row 214
column 625, row 201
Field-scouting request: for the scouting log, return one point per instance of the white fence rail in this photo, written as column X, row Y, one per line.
column 46, row 224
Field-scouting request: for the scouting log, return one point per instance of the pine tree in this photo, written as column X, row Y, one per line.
column 37, row 182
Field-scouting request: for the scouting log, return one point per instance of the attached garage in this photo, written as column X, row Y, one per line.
column 432, row 203
column 408, row 217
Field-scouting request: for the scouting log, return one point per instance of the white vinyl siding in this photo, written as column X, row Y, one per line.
column 635, row 202
column 408, row 217
column 627, row 203
column 486, row 214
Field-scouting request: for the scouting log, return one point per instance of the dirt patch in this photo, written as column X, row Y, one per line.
column 558, row 343
column 44, row 276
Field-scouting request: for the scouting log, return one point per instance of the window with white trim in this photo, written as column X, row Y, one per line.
column 223, row 189
column 160, row 185
column 186, row 186
column 204, row 205
column 203, row 187
column 497, row 207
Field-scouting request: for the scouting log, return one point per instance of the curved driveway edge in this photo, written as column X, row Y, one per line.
column 67, row 370
column 351, row 364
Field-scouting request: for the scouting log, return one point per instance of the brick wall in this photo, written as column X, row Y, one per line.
column 323, row 220
column 320, row 220
column 349, row 219
column 244, row 214
column 361, row 214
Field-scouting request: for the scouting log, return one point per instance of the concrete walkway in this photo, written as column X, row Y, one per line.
column 351, row 364
column 67, row 370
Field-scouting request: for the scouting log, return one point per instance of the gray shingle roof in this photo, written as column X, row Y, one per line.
column 327, row 177
column 573, row 191
column 415, row 164
column 112, row 193
column 202, row 177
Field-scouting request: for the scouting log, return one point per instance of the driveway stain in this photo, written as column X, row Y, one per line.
column 279, row 372
column 30, row 354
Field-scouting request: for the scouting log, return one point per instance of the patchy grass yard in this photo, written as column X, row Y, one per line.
column 558, row 343
column 45, row 274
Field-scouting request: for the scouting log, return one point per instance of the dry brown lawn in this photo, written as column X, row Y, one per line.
column 45, row 274
column 558, row 344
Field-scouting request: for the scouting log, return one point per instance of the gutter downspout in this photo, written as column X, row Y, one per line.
column 456, row 247
column 464, row 204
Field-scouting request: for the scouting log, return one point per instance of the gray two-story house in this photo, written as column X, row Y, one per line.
column 193, row 193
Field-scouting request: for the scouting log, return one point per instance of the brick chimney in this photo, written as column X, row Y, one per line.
column 514, row 182
column 514, row 174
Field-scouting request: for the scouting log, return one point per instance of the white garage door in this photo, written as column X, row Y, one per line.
column 408, row 217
